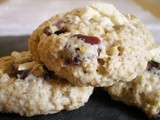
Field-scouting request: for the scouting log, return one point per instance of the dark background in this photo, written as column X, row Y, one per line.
column 99, row 107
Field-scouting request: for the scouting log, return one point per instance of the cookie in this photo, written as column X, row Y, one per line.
column 28, row 88
column 144, row 90
column 95, row 45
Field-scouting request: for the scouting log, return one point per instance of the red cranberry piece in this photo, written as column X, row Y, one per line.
column 47, row 31
column 88, row 39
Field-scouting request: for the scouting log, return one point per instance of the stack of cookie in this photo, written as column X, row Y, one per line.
column 71, row 53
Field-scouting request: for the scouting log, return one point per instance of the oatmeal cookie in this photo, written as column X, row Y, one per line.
column 28, row 88
column 144, row 90
column 95, row 45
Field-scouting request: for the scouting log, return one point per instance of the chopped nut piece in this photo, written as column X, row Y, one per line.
column 82, row 49
column 26, row 66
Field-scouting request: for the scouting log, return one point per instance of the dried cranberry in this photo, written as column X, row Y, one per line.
column 88, row 39
column 47, row 31
column 101, row 61
column 23, row 73
column 62, row 30
column 153, row 64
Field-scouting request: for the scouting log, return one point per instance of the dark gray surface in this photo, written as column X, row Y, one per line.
column 99, row 107
column 10, row 43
